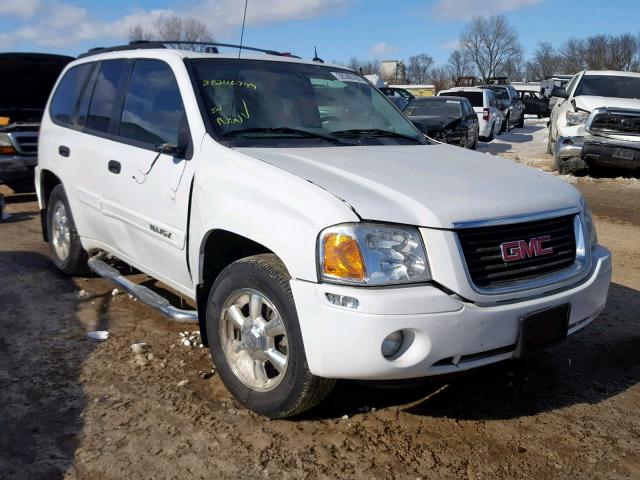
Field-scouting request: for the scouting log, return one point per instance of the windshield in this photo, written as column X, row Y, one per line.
column 435, row 108
column 475, row 98
column 609, row 86
column 253, row 101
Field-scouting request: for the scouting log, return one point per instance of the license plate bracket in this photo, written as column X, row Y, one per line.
column 623, row 154
column 542, row 328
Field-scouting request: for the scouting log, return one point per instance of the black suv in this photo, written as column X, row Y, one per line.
column 25, row 84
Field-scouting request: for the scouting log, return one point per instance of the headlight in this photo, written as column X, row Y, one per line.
column 372, row 254
column 576, row 118
column 6, row 147
column 590, row 233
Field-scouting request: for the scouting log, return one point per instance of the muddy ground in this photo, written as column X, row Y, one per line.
column 72, row 408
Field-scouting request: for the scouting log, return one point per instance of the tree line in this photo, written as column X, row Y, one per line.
column 490, row 47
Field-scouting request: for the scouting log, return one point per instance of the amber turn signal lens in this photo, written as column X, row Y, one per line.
column 342, row 257
column 7, row 150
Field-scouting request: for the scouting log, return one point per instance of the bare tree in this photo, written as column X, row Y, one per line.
column 138, row 32
column 544, row 63
column 597, row 52
column 624, row 51
column 459, row 64
column 364, row 67
column 440, row 78
column 175, row 28
column 572, row 56
column 418, row 68
column 490, row 43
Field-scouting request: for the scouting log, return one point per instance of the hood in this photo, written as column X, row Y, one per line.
column 423, row 185
column 589, row 102
column 434, row 123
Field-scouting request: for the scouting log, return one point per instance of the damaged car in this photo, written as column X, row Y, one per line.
column 445, row 119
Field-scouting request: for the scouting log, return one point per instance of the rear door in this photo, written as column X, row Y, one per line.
column 147, row 193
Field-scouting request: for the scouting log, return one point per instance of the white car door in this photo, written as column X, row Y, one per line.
column 147, row 193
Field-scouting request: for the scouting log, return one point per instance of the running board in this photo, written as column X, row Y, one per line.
column 142, row 293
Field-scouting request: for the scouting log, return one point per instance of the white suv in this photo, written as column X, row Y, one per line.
column 485, row 105
column 318, row 232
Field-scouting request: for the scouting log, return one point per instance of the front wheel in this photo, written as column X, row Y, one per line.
column 66, row 250
column 521, row 121
column 256, row 341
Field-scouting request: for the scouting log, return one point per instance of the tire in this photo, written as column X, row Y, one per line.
column 492, row 133
column 265, row 389
column 474, row 145
column 504, row 128
column 61, row 232
column 521, row 122
column 550, row 145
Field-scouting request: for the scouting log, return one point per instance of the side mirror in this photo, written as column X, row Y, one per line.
column 559, row 92
column 171, row 149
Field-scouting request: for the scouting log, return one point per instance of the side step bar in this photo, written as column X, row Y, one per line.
column 142, row 293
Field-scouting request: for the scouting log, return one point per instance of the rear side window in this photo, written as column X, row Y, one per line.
column 64, row 105
column 104, row 95
column 153, row 112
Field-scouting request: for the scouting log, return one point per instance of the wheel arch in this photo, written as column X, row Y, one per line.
column 46, row 183
column 219, row 249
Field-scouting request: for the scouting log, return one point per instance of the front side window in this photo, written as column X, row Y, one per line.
column 153, row 112
column 250, row 102
column 104, row 95
column 64, row 103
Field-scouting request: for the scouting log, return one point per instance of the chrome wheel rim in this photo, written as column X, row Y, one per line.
column 60, row 232
column 254, row 340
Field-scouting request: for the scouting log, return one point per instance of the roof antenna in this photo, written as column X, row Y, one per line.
column 244, row 18
column 315, row 55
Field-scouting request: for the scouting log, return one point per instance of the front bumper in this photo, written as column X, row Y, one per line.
column 445, row 334
column 14, row 167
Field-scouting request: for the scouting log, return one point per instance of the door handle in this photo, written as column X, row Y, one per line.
column 114, row 167
column 64, row 150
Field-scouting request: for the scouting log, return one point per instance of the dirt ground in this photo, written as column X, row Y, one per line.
column 76, row 409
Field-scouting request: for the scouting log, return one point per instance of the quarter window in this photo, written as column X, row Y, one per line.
column 104, row 95
column 153, row 111
column 65, row 101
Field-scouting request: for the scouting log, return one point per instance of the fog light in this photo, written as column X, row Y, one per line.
column 342, row 300
column 391, row 344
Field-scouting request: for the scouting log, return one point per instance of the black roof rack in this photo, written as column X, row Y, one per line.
column 146, row 44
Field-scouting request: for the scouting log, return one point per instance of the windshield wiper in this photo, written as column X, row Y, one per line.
column 374, row 132
column 286, row 131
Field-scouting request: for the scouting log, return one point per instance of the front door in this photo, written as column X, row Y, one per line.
column 147, row 193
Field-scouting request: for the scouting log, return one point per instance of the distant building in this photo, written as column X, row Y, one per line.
column 393, row 71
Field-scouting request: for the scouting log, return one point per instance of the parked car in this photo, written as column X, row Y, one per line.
column 445, row 119
column 535, row 103
column 596, row 122
column 485, row 105
column 509, row 104
column 25, row 84
column 318, row 233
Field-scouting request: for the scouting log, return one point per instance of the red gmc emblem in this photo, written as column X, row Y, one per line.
column 520, row 249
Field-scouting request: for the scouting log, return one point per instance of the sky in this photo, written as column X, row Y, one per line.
column 341, row 29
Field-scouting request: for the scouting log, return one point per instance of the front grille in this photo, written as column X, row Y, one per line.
column 26, row 143
column 616, row 123
column 482, row 251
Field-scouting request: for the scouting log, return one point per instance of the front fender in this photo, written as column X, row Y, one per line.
column 280, row 211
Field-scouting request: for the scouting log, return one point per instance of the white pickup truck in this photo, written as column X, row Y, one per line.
column 318, row 233
column 596, row 122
